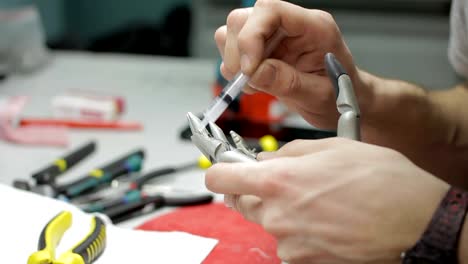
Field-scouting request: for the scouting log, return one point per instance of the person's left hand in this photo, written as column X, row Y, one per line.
column 333, row 201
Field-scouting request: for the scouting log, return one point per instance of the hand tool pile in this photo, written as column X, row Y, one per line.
column 117, row 189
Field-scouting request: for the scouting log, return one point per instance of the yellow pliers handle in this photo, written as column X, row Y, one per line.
column 84, row 252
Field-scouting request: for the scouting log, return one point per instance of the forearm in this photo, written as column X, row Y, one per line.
column 452, row 107
column 431, row 128
column 435, row 115
column 394, row 105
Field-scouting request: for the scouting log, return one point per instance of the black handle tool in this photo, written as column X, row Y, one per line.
column 48, row 174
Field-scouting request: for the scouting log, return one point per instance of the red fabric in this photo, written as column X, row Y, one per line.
column 240, row 241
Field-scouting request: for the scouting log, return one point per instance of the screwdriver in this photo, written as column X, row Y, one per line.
column 95, row 202
column 131, row 162
column 130, row 192
column 234, row 87
column 47, row 175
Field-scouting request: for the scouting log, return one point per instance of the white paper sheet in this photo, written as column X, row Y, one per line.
column 23, row 215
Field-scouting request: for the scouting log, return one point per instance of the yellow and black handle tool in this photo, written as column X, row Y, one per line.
column 84, row 252
column 48, row 174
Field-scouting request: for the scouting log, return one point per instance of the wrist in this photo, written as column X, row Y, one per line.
column 383, row 99
column 429, row 203
column 451, row 111
column 388, row 105
column 443, row 240
column 366, row 91
column 395, row 112
column 463, row 245
column 405, row 117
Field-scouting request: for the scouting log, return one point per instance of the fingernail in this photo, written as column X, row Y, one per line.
column 264, row 77
column 245, row 63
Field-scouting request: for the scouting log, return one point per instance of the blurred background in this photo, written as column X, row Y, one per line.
column 387, row 37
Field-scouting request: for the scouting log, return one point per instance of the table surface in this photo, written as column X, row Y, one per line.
column 159, row 92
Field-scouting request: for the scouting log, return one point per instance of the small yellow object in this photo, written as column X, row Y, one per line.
column 268, row 143
column 204, row 162
column 61, row 164
column 96, row 173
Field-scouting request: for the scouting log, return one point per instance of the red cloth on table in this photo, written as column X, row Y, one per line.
column 240, row 241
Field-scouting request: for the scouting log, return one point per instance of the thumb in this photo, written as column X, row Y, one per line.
column 282, row 80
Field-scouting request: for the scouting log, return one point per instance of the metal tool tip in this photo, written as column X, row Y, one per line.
column 217, row 132
column 194, row 123
column 190, row 116
column 233, row 133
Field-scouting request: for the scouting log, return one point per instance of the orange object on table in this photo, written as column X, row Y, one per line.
column 256, row 108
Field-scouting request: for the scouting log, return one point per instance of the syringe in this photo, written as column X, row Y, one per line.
column 234, row 87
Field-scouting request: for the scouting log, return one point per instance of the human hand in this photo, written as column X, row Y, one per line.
column 333, row 200
column 295, row 72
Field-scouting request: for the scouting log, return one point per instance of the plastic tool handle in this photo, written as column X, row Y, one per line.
column 129, row 197
column 98, row 173
column 138, row 183
column 135, row 196
column 121, row 160
column 151, row 175
column 85, row 252
column 98, row 177
column 189, row 200
column 334, row 70
column 79, row 154
column 127, row 211
column 91, row 247
column 124, row 211
column 50, row 237
column 50, row 173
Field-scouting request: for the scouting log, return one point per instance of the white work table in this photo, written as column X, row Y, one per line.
column 159, row 91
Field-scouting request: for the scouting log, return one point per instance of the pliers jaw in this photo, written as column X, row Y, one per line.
column 215, row 145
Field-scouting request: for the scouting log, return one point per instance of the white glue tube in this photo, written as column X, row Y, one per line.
column 87, row 107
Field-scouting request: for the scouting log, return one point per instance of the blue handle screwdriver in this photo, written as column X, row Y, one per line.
column 129, row 163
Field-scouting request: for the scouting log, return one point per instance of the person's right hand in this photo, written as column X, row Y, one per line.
column 333, row 201
column 295, row 71
column 394, row 113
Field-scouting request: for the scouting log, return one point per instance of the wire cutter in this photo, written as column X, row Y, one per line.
column 153, row 197
column 84, row 252
column 215, row 145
